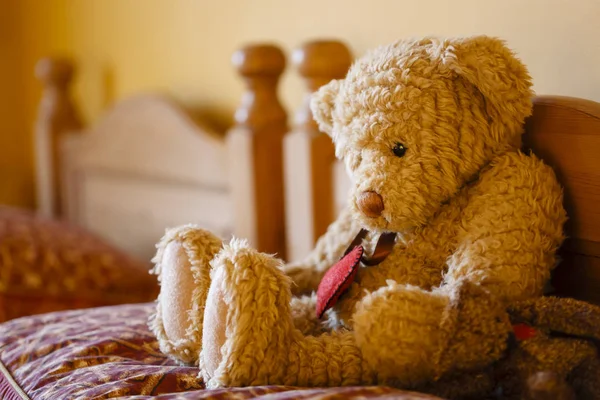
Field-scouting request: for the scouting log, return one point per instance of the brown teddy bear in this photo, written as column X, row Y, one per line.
column 551, row 355
column 556, row 356
column 448, row 224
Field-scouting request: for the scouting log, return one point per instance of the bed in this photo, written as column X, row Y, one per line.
column 107, row 191
column 151, row 163
column 109, row 352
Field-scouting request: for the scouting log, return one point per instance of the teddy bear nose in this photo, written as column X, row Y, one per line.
column 370, row 203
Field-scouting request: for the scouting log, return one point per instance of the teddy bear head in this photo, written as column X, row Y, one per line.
column 417, row 120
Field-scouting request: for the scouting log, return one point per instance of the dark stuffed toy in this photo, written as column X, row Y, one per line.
column 552, row 354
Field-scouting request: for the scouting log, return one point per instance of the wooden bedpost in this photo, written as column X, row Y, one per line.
column 56, row 118
column 255, row 150
column 309, row 153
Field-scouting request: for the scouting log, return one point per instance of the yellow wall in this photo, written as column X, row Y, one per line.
column 15, row 159
column 183, row 47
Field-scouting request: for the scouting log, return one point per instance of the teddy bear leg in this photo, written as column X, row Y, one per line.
column 247, row 319
column 251, row 330
column 183, row 269
column 330, row 359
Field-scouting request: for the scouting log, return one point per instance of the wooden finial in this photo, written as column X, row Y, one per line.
column 257, row 60
column 57, row 117
column 309, row 154
column 319, row 62
column 256, row 150
column 54, row 71
column 261, row 67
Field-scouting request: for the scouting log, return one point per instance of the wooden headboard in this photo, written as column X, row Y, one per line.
column 565, row 133
column 149, row 164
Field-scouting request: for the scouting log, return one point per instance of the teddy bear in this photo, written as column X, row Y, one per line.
column 556, row 355
column 448, row 223
column 552, row 354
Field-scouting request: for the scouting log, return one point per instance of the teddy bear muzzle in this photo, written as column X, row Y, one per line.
column 370, row 203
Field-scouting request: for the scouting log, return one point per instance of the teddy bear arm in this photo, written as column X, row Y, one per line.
column 398, row 337
column 514, row 228
column 509, row 275
column 306, row 274
column 414, row 335
column 396, row 328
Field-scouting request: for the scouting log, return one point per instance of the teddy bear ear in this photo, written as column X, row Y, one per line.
column 489, row 65
column 322, row 103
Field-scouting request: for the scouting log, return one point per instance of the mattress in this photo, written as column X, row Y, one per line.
column 109, row 352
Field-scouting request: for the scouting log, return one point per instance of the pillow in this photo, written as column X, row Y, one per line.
column 48, row 265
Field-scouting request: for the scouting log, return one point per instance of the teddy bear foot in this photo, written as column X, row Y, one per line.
column 182, row 264
column 247, row 319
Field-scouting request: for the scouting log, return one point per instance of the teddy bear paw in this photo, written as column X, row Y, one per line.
column 182, row 263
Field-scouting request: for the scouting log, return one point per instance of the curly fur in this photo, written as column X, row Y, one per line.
column 477, row 221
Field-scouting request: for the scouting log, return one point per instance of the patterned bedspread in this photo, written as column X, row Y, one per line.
column 109, row 352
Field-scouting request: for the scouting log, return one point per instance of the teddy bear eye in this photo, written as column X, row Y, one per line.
column 399, row 150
